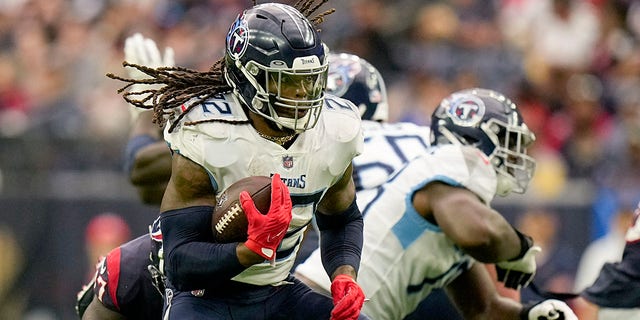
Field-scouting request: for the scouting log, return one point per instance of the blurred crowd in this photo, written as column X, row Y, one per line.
column 572, row 66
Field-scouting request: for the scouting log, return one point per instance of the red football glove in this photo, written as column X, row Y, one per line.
column 266, row 231
column 348, row 298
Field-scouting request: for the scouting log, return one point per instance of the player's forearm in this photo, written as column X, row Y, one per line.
column 473, row 226
column 498, row 245
column 192, row 260
column 197, row 265
column 486, row 302
column 151, row 164
column 341, row 239
column 480, row 231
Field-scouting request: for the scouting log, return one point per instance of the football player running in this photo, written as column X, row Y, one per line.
column 432, row 223
column 259, row 111
column 127, row 284
column 388, row 146
column 148, row 165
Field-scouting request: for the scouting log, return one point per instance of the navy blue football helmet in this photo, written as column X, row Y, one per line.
column 355, row 79
column 489, row 121
column 272, row 50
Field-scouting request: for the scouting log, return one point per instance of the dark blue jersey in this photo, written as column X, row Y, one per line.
column 124, row 283
column 618, row 284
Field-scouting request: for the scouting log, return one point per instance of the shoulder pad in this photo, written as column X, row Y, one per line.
column 482, row 175
column 223, row 108
column 341, row 119
column 473, row 169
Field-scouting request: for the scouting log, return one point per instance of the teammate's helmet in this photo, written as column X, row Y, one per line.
column 356, row 80
column 489, row 121
column 272, row 48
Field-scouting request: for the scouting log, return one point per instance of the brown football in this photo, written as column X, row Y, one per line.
column 229, row 222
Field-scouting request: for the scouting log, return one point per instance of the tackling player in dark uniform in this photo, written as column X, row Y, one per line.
column 616, row 291
column 135, row 288
column 127, row 284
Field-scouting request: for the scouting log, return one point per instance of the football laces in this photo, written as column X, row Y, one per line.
column 227, row 217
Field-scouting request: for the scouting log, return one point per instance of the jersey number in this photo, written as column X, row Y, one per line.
column 222, row 107
column 403, row 149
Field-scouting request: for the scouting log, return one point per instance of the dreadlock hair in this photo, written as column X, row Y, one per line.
column 171, row 87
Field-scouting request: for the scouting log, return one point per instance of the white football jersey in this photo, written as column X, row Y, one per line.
column 387, row 147
column 404, row 256
column 217, row 135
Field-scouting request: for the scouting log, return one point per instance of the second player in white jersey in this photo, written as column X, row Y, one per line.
column 397, row 239
column 405, row 252
column 431, row 221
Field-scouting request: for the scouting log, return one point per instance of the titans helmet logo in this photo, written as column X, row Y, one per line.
column 466, row 110
column 238, row 38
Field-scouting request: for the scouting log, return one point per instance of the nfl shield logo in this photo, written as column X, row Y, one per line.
column 287, row 162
